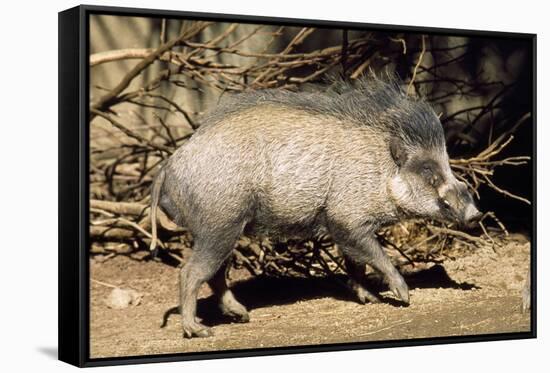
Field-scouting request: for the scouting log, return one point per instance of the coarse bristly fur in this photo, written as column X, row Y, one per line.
column 343, row 161
column 368, row 101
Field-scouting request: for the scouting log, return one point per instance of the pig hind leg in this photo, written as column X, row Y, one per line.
column 208, row 257
column 228, row 304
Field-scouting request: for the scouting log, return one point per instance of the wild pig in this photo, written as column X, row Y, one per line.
column 342, row 162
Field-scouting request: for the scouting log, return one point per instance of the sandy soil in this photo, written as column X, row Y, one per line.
column 477, row 293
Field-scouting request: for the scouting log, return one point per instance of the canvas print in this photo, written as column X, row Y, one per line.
column 262, row 184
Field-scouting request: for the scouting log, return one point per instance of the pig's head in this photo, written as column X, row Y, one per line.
column 423, row 185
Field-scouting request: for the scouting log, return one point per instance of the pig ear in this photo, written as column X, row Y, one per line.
column 398, row 151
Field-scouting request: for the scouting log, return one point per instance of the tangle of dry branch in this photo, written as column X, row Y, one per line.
column 121, row 173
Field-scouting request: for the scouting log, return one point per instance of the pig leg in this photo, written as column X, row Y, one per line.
column 368, row 250
column 201, row 267
column 228, row 304
column 356, row 274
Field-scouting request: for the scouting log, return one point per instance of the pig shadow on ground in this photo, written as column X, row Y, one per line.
column 265, row 291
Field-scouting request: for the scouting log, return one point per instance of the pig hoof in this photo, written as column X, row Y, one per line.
column 242, row 318
column 362, row 294
column 401, row 291
column 365, row 296
column 232, row 308
column 197, row 330
column 238, row 314
column 206, row 332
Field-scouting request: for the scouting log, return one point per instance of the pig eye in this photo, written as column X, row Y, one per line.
column 429, row 175
column 446, row 204
column 426, row 170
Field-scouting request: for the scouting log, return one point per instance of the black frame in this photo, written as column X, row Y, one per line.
column 73, row 104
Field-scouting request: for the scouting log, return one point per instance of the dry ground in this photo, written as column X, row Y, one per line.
column 477, row 293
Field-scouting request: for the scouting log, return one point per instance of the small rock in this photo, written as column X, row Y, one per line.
column 123, row 298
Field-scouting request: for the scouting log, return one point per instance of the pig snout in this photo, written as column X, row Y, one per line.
column 471, row 215
column 457, row 205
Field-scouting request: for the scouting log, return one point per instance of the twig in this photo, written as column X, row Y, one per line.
column 105, row 101
column 505, row 192
column 163, row 30
column 417, row 65
column 454, row 232
column 103, row 283
column 130, row 133
column 386, row 328
column 403, row 43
